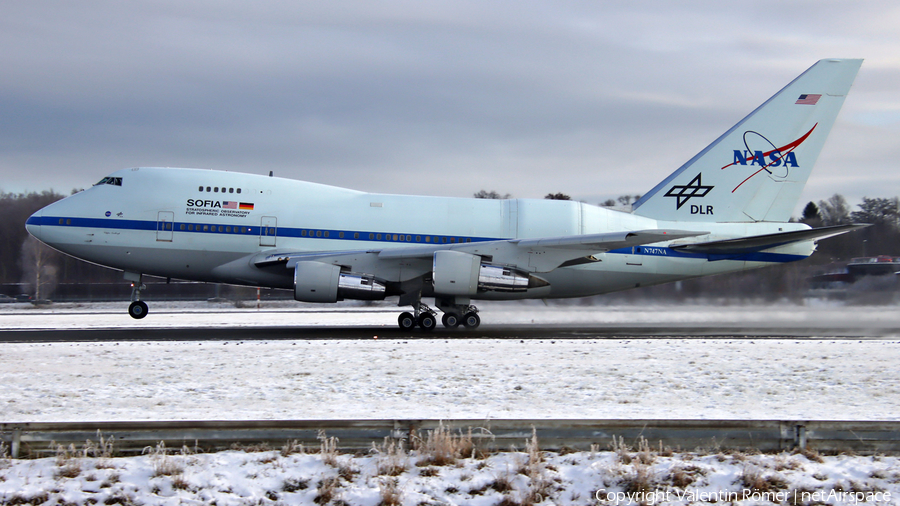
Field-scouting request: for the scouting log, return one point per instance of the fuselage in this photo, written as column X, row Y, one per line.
column 208, row 225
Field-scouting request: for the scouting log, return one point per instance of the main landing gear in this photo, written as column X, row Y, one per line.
column 426, row 318
column 138, row 308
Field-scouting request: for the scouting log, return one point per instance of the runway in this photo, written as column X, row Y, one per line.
column 201, row 321
column 522, row 332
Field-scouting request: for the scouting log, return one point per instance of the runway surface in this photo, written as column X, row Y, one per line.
column 201, row 321
column 485, row 332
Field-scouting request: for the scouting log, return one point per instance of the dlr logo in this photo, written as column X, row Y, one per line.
column 701, row 210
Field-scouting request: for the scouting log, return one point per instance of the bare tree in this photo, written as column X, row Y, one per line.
column 835, row 210
column 877, row 211
column 627, row 200
column 483, row 194
column 557, row 196
column 39, row 267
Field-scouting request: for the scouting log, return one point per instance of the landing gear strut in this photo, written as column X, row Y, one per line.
column 424, row 317
column 458, row 311
column 138, row 308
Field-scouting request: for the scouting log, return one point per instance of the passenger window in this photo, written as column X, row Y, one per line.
column 62, row 221
column 208, row 189
column 168, row 226
column 326, row 233
column 239, row 190
column 205, row 228
column 228, row 229
column 356, row 235
column 378, row 236
column 371, row 236
column 190, row 228
column 68, row 222
column 201, row 188
column 181, row 227
column 216, row 189
column 303, row 233
column 427, row 238
column 340, row 235
column 231, row 190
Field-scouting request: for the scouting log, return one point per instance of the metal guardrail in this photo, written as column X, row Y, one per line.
column 860, row 437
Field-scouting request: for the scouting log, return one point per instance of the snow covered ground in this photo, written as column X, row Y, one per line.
column 584, row 478
column 450, row 378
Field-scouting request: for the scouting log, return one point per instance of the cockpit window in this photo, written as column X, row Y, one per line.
column 115, row 181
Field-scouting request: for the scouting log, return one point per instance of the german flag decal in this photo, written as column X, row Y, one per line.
column 247, row 207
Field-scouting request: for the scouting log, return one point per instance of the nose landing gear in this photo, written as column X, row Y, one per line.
column 138, row 308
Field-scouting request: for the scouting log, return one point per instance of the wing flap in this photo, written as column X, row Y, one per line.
column 600, row 243
column 757, row 243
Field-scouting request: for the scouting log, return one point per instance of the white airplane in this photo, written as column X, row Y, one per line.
column 727, row 209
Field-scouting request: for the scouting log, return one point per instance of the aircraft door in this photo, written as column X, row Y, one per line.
column 165, row 223
column 267, row 231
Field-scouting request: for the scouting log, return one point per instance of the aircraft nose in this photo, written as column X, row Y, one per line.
column 33, row 224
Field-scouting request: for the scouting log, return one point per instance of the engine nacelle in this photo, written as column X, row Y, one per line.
column 458, row 273
column 497, row 278
column 321, row 282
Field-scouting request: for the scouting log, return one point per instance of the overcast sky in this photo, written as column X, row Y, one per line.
column 593, row 99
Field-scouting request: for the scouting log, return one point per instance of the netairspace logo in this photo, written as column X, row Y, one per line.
column 720, row 496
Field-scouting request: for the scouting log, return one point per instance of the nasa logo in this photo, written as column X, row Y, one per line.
column 772, row 160
column 108, row 214
column 759, row 158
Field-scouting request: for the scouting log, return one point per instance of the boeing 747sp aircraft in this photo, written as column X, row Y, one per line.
column 727, row 209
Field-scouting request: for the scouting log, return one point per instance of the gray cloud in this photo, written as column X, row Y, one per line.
column 441, row 98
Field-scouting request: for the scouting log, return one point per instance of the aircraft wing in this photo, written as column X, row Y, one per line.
column 753, row 244
column 533, row 255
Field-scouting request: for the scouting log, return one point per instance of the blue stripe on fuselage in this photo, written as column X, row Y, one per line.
column 181, row 227
column 673, row 253
column 359, row 235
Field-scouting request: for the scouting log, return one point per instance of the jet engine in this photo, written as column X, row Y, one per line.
column 458, row 273
column 321, row 282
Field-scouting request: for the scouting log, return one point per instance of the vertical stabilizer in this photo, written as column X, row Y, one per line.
column 756, row 170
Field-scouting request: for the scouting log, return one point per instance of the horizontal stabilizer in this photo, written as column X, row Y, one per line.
column 757, row 243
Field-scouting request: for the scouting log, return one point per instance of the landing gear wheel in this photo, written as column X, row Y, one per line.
column 137, row 309
column 450, row 320
column 406, row 321
column 427, row 321
column 471, row 320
